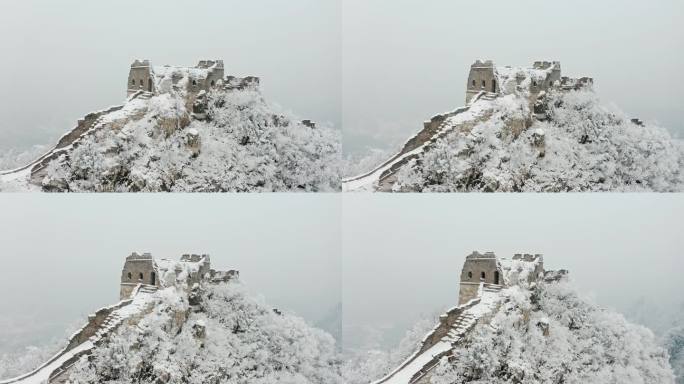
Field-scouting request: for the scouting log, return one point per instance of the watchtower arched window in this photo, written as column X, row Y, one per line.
column 140, row 276
column 482, row 275
column 194, row 83
column 132, row 81
column 213, row 83
column 470, row 275
column 153, row 277
column 130, row 276
column 149, row 84
column 473, row 83
column 484, row 83
column 534, row 82
column 493, row 85
column 142, row 82
column 496, row 277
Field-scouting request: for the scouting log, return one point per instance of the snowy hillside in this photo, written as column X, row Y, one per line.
column 551, row 335
column 218, row 336
column 224, row 140
column 547, row 333
column 566, row 142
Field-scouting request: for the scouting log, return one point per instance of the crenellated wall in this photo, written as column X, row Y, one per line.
column 206, row 75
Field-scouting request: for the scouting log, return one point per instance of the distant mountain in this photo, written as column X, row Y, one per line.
column 332, row 323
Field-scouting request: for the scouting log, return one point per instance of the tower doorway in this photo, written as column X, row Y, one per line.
column 496, row 277
column 494, row 85
column 153, row 277
column 149, row 85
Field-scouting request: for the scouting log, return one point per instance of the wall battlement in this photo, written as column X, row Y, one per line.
column 143, row 269
column 485, row 76
column 486, row 268
column 206, row 75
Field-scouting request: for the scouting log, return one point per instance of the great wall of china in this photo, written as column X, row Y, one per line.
column 483, row 278
column 137, row 299
column 486, row 82
column 144, row 82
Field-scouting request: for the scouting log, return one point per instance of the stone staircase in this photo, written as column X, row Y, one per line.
column 430, row 134
column 145, row 95
column 495, row 288
column 115, row 318
column 84, row 126
column 463, row 324
column 147, row 289
column 489, row 96
column 459, row 328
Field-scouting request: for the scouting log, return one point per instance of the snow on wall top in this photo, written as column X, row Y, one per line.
column 523, row 269
column 478, row 255
column 171, row 271
column 538, row 74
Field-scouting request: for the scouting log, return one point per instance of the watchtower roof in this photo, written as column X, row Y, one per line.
column 137, row 256
column 482, row 63
column 478, row 255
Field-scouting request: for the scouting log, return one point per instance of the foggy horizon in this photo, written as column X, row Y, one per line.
column 402, row 264
column 65, row 265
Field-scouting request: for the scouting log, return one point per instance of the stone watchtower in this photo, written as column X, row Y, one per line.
column 478, row 268
column 140, row 77
column 138, row 269
column 481, row 78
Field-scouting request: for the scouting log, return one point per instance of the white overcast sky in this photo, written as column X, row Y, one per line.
column 377, row 68
column 62, row 255
column 405, row 60
column 63, row 59
column 403, row 254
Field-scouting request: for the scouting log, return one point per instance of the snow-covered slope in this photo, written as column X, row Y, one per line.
column 224, row 140
column 563, row 141
column 86, row 339
column 220, row 335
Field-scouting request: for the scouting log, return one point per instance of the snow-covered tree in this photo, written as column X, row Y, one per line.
column 242, row 145
column 551, row 335
column 581, row 146
column 674, row 342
